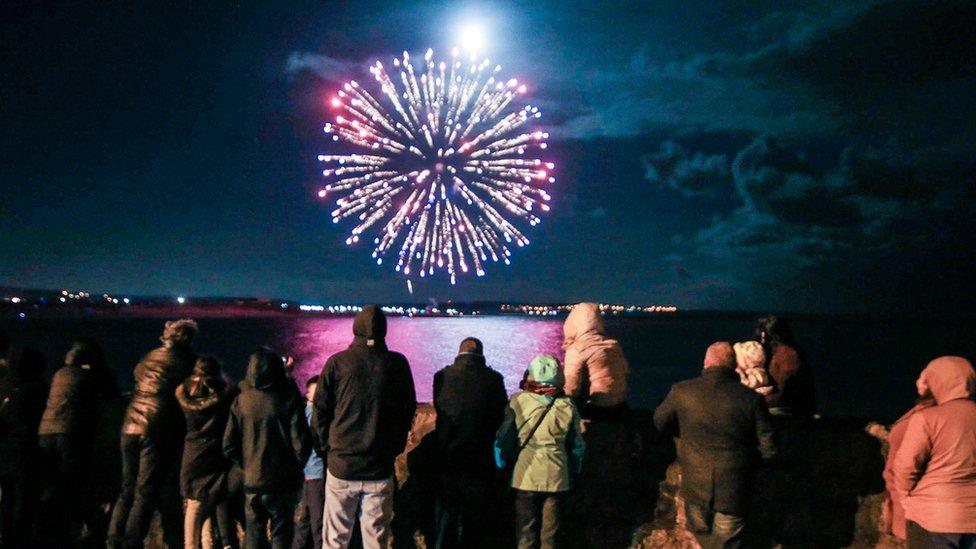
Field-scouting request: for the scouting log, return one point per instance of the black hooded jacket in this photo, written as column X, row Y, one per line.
column 470, row 400
column 267, row 434
column 77, row 388
column 203, row 474
column 364, row 404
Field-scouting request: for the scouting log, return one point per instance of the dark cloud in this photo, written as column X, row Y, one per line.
column 691, row 174
column 324, row 66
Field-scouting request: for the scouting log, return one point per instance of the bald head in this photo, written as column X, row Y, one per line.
column 720, row 355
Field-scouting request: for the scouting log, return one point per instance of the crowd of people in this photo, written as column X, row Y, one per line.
column 212, row 456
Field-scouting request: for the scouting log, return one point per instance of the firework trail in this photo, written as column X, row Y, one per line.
column 437, row 165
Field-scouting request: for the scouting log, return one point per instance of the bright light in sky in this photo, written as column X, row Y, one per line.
column 181, row 300
column 472, row 38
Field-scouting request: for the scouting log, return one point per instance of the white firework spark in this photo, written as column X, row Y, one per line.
column 438, row 165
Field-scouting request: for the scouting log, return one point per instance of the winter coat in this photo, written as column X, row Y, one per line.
column 364, row 404
column 724, row 430
column 22, row 397
column 793, row 388
column 470, row 400
column 553, row 457
column 73, row 402
column 203, row 473
column 595, row 367
column 153, row 409
column 267, row 435
column 896, row 513
column 934, row 470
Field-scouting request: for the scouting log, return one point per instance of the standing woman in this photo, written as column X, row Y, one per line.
column 540, row 436
column 205, row 398
column 793, row 389
column 68, row 432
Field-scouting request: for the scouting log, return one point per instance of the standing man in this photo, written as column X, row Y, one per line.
column 267, row 436
column 724, row 430
column 363, row 410
column 309, row 530
column 470, row 401
column 152, row 442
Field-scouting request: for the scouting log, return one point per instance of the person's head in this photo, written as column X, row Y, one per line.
column 25, row 364
column 584, row 318
column 771, row 330
column 206, row 377
column 749, row 355
column 471, row 345
column 719, row 355
column 85, row 353
column 179, row 332
column 310, row 386
column 370, row 325
column 947, row 378
column 545, row 370
column 265, row 368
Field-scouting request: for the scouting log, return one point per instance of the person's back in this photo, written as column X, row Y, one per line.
column 77, row 389
column 724, row 430
column 934, row 471
column 470, row 399
column 268, row 436
column 596, row 369
column 156, row 376
column 363, row 410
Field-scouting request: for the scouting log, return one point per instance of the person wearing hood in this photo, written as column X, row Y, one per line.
column 724, row 430
column 68, row 432
column 596, row 370
column 934, row 470
column 470, row 400
column 205, row 399
column 750, row 360
column 268, row 437
column 540, row 438
column 152, row 434
column 22, row 397
column 363, row 411
column 894, row 513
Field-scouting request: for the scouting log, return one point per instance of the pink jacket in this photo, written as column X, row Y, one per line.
column 934, row 470
column 896, row 513
column 592, row 360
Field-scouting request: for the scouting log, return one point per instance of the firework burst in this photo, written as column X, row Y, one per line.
column 439, row 165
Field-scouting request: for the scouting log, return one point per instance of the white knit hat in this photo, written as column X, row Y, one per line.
column 749, row 355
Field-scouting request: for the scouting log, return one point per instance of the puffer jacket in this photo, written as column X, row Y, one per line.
column 72, row 404
column 365, row 403
column 554, row 455
column 596, row 370
column 267, row 434
column 153, row 409
column 203, row 474
column 934, row 471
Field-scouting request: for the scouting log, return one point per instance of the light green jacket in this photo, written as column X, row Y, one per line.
column 554, row 455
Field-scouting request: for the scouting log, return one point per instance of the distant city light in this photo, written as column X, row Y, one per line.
column 15, row 300
column 125, row 300
column 181, row 300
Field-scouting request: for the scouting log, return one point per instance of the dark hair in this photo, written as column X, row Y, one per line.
column 772, row 330
column 85, row 351
column 265, row 368
column 311, row 381
column 206, row 378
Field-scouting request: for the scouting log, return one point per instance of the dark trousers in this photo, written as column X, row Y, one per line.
column 537, row 517
column 150, row 469
column 714, row 529
column 16, row 510
column 278, row 509
column 462, row 511
column 308, row 531
column 920, row 538
column 67, row 504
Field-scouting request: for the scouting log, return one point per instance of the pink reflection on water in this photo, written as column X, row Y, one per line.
column 431, row 343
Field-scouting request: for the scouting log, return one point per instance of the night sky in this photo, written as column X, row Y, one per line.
column 802, row 156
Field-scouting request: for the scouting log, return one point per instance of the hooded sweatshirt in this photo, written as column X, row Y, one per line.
column 934, row 470
column 364, row 404
column 596, row 370
column 267, row 434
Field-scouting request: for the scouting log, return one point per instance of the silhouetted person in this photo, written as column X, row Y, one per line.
column 205, row 398
column 22, row 397
column 268, row 437
column 68, row 432
column 363, row 411
column 152, row 440
column 793, row 390
column 308, row 532
column 934, row 471
column 596, row 370
column 724, row 429
column 540, row 438
column 470, row 401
